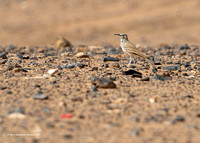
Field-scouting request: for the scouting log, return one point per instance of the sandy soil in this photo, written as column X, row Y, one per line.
column 55, row 92
column 89, row 22
column 71, row 109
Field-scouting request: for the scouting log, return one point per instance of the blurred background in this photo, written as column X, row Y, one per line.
column 89, row 22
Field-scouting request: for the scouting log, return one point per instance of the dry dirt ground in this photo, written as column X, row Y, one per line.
column 89, row 22
column 68, row 106
column 52, row 93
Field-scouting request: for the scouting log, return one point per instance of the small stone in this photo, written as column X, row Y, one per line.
column 169, row 63
column 3, row 61
column 157, row 63
column 134, row 133
column 77, row 99
column 11, row 47
column 9, row 92
column 46, row 76
column 115, row 65
column 68, row 136
column 81, row 65
column 62, row 42
column 11, row 66
column 102, row 82
column 153, row 99
column 94, row 69
column 40, row 50
column 197, row 82
column 59, row 67
column 40, row 96
column 23, row 70
column 178, row 118
column 145, row 79
column 120, row 100
column 81, row 55
column 25, row 57
column 16, row 115
column 173, row 68
column 46, row 109
column 184, row 47
column 170, row 53
column 133, row 73
column 71, row 66
column 154, row 70
column 185, row 74
column 52, row 72
column 183, row 52
column 161, row 77
column 94, row 88
column 50, row 125
column 3, row 55
column 110, row 59
column 112, row 51
column 16, row 69
column 187, row 65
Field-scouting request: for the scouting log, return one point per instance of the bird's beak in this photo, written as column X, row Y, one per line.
column 118, row 34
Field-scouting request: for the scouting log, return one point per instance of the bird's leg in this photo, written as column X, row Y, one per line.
column 133, row 60
column 130, row 61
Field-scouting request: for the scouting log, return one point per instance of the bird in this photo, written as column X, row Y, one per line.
column 130, row 49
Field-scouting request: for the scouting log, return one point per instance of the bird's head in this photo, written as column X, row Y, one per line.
column 123, row 36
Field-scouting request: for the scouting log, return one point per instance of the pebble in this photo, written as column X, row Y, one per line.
column 11, row 47
column 187, row 65
column 145, row 79
column 110, row 59
column 23, row 70
column 40, row 96
column 185, row 74
column 81, row 55
column 102, row 82
column 68, row 136
column 3, row 61
column 112, row 51
column 178, row 118
column 16, row 115
column 153, row 99
column 50, row 125
column 133, row 73
column 16, row 69
column 66, row 116
column 173, row 68
column 94, row 69
column 154, row 70
column 71, row 66
column 184, row 47
column 3, row 55
column 62, row 42
column 115, row 65
column 134, row 133
column 161, row 77
column 52, row 72
column 59, row 67
column 11, row 66
column 93, row 88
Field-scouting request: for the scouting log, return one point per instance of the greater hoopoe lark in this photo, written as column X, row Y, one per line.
column 130, row 49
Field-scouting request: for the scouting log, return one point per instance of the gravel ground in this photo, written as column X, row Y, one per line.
column 88, row 94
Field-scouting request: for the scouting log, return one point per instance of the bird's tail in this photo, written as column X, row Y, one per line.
column 145, row 57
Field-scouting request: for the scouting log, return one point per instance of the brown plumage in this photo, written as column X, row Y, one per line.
column 130, row 49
